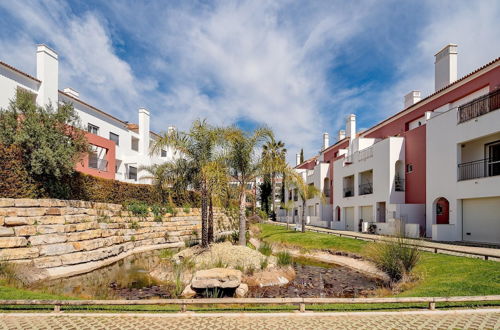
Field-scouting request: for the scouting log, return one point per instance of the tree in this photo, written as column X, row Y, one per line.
column 49, row 138
column 198, row 148
column 265, row 191
column 301, row 155
column 170, row 177
column 245, row 166
column 273, row 157
column 305, row 191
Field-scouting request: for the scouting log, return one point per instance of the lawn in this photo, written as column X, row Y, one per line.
column 440, row 275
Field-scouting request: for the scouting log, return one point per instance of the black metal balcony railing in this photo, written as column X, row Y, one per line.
column 478, row 169
column 478, row 107
column 366, row 188
column 349, row 192
column 399, row 184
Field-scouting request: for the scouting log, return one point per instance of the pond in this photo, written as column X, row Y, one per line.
column 129, row 279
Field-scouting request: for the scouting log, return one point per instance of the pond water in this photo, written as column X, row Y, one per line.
column 129, row 279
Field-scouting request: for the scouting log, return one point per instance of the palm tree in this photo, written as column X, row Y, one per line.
column 169, row 177
column 305, row 191
column 273, row 155
column 244, row 166
column 197, row 147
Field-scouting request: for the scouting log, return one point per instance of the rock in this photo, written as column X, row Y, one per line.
column 47, row 239
column 19, row 221
column 56, row 249
column 18, row 253
column 7, row 242
column 241, row 291
column 271, row 277
column 50, row 229
column 188, row 292
column 224, row 278
column 4, row 231
column 25, row 230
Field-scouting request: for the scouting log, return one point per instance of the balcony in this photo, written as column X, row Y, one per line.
column 479, row 107
column 348, row 191
column 366, row 188
column 399, row 184
column 478, row 169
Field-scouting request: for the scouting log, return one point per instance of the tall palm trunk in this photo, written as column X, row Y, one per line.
column 210, row 220
column 204, row 229
column 303, row 217
column 273, row 193
column 243, row 222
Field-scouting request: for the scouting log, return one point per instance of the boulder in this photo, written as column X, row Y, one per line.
column 241, row 291
column 224, row 278
column 271, row 277
column 188, row 292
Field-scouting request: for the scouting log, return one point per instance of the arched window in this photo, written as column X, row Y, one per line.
column 337, row 213
column 326, row 187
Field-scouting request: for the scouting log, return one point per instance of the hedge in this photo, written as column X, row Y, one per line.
column 16, row 183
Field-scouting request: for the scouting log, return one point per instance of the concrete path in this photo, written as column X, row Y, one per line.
column 452, row 249
column 458, row 319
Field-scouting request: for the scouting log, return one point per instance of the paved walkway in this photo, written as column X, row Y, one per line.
column 466, row 319
column 462, row 250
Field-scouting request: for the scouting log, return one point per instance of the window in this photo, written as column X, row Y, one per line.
column 132, row 173
column 93, row 160
column 135, row 144
column 409, row 168
column 115, row 138
column 163, row 153
column 92, row 129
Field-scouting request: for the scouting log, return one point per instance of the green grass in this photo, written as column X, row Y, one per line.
column 440, row 275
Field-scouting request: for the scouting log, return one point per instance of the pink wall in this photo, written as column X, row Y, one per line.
column 329, row 156
column 82, row 165
column 415, row 155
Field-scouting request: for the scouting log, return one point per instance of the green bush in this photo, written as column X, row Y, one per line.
column 266, row 249
column 284, row 258
column 158, row 212
column 186, row 208
column 15, row 182
column 134, row 225
column 394, row 257
column 138, row 209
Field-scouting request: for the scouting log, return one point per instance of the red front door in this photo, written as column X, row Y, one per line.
column 442, row 211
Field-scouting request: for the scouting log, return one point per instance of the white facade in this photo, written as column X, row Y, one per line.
column 461, row 168
column 369, row 187
column 132, row 149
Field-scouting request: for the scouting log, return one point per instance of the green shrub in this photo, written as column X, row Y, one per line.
column 186, row 208
column 15, row 182
column 134, row 225
column 138, row 209
column 266, row 249
column 394, row 257
column 284, row 258
column 264, row 263
column 158, row 212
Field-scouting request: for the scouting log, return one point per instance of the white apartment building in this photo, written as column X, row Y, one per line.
column 120, row 148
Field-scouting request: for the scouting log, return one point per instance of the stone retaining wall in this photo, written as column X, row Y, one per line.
column 59, row 236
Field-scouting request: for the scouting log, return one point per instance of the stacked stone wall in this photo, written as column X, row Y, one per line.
column 57, row 234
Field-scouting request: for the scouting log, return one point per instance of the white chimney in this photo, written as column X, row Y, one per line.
column 326, row 141
column 445, row 66
column 143, row 131
column 411, row 98
column 297, row 159
column 47, row 71
column 350, row 127
column 71, row 92
column 341, row 134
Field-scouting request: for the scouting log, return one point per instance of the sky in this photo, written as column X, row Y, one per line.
column 299, row 67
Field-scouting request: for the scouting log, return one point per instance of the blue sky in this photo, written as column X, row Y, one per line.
column 297, row 66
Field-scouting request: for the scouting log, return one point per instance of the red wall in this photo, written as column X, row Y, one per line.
column 415, row 155
column 82, row 165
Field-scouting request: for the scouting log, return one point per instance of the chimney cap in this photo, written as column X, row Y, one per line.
column 72, row 92
column 452, row 48
column 144, row 110
column 46, row 49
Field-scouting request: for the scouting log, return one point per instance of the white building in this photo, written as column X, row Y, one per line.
column 120, row 149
